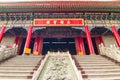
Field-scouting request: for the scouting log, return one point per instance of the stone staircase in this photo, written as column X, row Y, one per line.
column 19, row 67
column 96, row 67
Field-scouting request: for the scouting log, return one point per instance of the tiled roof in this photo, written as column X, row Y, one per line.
column 60, row 6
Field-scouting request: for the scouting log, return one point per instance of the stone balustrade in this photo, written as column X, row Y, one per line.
column 112, row 52
column 6, row 53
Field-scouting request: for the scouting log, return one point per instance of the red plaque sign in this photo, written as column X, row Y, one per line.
column 58, row 22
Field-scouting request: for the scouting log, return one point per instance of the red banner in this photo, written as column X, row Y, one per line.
column 58, row 22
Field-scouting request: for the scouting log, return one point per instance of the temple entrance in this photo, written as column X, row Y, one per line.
column 94, row 46
column 63, row 44
column 22, row 44
column 86, row 46
column 32, row 44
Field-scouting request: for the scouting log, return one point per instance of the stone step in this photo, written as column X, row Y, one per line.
column 19, row 68
column 16, row 70
column 99, row 68
column 96, row 57
column 97, row 62
column 103, row 66
column 21, row 57
column 15, row 77
column 18, row 57
column 97, row 72
column 24, row 59
column 29, row 56
column 30, row 62
column 93, row 60
column 104, row 76
column 107, row 69
column 97, row 65
column 90, row 67
column 15, row 60
column 18, row 62
column 17, row 65
column 103, row 73
column 102, row 70
column 87, row 56
column 101, row 78
column 15, row 74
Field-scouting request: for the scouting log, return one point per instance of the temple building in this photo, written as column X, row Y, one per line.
column 36, row 34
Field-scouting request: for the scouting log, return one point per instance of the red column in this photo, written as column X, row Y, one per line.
column 19, row 44
column 27, row 43
column 77, row 45
column 2, row 33
column 100, row 40
column 81, row 44
column 116, row 35
column 16, row 41
column 36, row 44
column 40, row 46
column 90, row 45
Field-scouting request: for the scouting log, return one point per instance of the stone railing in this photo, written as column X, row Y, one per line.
column 6, row 53
column 112, row 52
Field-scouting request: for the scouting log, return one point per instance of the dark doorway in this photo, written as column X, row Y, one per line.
column 95, row 46
column 32, row 44
column 86, row 46
column 23, row 44
column 54, row 45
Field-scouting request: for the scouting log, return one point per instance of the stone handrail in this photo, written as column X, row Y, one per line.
column 6, row 53
column 78, row 73
column 112, row 52
column 36, row 74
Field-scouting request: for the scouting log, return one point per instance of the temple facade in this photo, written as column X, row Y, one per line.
column 76, row 26
column 60, row 40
